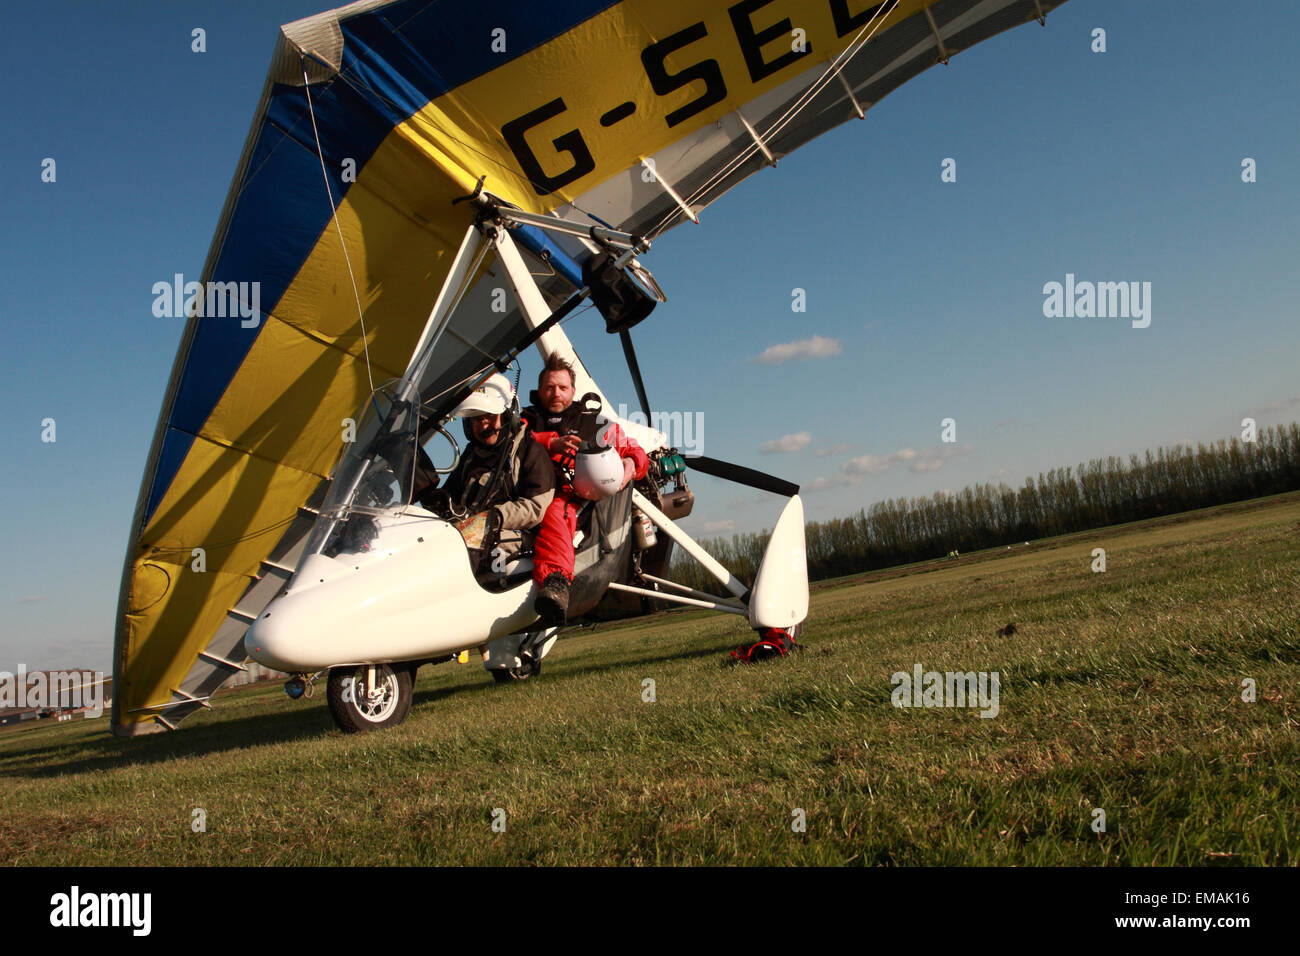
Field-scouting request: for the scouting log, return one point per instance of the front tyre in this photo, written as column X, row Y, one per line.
column 359, row 702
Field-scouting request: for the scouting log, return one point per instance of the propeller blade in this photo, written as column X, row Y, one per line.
column 632, row 366
column 741, row 475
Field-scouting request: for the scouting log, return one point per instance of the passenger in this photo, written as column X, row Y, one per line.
column 503, row 482
column 555, row 423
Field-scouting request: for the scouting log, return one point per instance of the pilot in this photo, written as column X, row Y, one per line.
column 503, row 482
column 554, row 424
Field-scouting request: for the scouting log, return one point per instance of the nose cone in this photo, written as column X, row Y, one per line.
column 301, row 630
column 264, row 643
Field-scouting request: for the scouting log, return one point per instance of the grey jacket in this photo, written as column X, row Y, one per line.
column 521, row 500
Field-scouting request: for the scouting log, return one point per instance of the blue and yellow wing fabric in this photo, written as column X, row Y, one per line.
column 636, row 114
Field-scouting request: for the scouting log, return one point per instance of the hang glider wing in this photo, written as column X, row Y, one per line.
column 637, row 114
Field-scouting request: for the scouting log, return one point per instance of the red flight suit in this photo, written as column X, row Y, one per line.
column 553, row 550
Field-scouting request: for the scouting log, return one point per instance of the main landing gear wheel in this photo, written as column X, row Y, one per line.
column 357, row 706
column 530, row 667
column 773, row 642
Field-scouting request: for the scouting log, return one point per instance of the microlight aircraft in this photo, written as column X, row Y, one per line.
column 428, row 189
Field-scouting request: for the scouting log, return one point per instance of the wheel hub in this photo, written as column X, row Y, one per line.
column 378, row 703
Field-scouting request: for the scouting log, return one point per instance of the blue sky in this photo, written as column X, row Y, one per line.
column 1115, row 166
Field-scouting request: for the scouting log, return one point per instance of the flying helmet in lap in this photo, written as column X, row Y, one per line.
column 597, row 473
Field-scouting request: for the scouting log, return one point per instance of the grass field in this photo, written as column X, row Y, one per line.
column 1120, row 691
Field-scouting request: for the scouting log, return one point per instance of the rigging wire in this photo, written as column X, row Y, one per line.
column 836, row 66
column 329, row 192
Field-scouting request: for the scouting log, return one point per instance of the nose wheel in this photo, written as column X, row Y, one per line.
column 366, row 697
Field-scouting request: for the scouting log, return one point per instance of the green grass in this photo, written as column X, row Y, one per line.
column 1120, row 691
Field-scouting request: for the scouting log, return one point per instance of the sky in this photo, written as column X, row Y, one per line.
column 924, row 299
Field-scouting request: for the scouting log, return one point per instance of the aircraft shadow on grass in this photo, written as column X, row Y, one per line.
column 109, row 752
column 567, row 672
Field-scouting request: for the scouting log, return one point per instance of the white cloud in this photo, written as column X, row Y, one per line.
column 865, row 466
column 833, row 450
column 713, row 527
column 824, row 483
column 31, row 599
column 1261, row 410
column 816, row 347
column 786, row 443
column 932, row 459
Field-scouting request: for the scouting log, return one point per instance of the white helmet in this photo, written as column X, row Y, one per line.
column 597, row 474
column 493, row 397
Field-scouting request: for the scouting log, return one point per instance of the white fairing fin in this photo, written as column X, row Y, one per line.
column 780, row 594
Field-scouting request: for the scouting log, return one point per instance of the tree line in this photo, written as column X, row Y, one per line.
column 1099, row 493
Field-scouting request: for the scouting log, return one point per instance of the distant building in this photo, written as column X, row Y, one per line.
column 253, row 673
column 14, row 716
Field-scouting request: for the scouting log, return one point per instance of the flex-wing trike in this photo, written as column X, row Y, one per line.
column 386, row 584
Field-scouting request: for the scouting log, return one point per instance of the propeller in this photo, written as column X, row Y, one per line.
column 708, row 466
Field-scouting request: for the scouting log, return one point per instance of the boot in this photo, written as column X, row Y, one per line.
column 552, row 603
